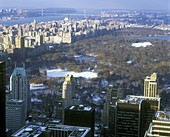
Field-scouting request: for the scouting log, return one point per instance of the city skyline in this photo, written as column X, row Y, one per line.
column 89, row 4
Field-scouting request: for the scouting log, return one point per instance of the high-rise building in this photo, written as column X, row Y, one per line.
column 39, row 40
column 128, row 119
column 20, row 87
column 150, row 105
column 34, row 24
column 160, row 125
column 68, row 94
column 112, row 96
column 15, row 114
column 68, row 91
column 134, row 115
column 20, row 31
column 20, row 42
column 150, row 86
column 2, row 99
column 7, row 42
column 80, row 116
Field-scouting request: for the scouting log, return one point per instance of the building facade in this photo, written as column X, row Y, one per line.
column 15, row 114
column 68, row 91
column 112, row 96
column 20, row 87
column 134, row 114
column 80, row 116
column 160, row 125
column 20, row 42
column 2, row 98
column 150, row 105
column 150, row 86
column 128, row 118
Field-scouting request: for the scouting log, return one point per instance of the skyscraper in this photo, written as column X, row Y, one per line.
column 128, row 119
column 39, row 40
column 112, row 96
column 150, row 86
column 134, row 115
column 20, row 42
column 2, row 99
column 34, row 24
column 68, row 91
column 20, row 31
column 15, row 114
column 20, row 87
column 150, row 105
column 80, row 116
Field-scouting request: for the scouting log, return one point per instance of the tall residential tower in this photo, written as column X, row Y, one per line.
column 68, row 91
column 150, row 86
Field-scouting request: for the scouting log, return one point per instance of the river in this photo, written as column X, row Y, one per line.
column 40, row 19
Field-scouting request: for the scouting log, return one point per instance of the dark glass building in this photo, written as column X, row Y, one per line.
column 2, row 99
column 80, row 116
column 134, row 114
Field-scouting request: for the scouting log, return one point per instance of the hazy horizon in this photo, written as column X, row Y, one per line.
column 89, row 4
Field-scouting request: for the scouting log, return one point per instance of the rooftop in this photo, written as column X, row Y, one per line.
column 35, row 131
column 131, row 100
column 15, row 100
column 80, row 108
column 144, row 98
column 19, row 71
column 153, row 77
column 163, row 115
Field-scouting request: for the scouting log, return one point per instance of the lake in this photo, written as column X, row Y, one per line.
column 63, row 73
column 84, row 58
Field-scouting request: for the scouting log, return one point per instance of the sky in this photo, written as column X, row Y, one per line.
column 88, row 4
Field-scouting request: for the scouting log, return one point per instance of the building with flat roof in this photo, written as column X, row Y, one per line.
column 150, row 105
column 160, row 125
column 128, row 118
column 15, row 114
column 53, row 130
column 80, row 116
column 134, row 114
column 150, row 86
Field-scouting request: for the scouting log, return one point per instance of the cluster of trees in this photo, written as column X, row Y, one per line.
column 113, row 54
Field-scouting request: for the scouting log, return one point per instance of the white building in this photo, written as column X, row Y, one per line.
column 150, row 86
column 68, row 91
